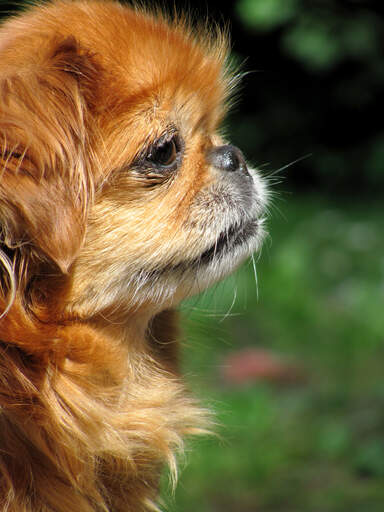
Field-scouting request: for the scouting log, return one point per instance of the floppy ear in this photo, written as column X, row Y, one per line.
column 45, row 178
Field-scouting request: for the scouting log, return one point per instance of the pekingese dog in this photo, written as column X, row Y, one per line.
column 118, row 198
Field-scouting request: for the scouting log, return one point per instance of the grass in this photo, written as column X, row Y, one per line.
column 313, row 444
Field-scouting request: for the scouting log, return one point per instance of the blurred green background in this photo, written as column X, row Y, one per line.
column 293, row 367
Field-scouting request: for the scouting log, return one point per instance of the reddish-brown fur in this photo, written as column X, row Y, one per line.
column 91, row 406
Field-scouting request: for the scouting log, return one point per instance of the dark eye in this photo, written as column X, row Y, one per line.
column 165, row 153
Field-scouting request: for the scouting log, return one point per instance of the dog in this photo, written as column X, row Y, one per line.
column 118, row 199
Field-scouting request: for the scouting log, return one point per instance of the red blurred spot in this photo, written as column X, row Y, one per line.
column 258, row 365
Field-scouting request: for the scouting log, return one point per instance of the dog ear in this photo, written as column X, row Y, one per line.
column 45, row 172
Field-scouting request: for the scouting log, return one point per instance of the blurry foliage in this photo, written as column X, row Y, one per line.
column 320, row 83
column 266, row 14
column 315, row 33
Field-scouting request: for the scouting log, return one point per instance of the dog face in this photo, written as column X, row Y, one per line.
column 113, row 166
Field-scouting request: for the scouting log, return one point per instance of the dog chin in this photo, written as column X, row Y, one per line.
column 171, row 284
column 164, row 287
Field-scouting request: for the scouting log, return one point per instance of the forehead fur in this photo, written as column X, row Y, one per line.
column 144, row 55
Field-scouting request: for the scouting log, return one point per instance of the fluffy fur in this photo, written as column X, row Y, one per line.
column 116, row 201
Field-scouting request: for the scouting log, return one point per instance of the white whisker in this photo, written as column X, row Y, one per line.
column 255, row 275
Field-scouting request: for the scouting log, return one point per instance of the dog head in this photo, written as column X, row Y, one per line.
column 117, row 191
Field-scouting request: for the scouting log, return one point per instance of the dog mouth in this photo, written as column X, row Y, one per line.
column 232, row 245
column 229, row 239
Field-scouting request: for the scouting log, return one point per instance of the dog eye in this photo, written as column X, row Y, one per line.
column 165, row 153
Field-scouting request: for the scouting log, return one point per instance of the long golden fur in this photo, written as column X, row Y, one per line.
column 118, row 198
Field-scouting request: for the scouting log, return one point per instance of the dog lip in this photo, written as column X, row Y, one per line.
column 232, row 237
column 235, row 235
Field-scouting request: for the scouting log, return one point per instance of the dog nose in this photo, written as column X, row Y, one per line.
column 227, row 158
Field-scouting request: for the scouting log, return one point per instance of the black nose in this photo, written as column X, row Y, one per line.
column 228, row 158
